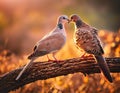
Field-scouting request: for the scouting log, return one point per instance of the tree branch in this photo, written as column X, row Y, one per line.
column 45, row 70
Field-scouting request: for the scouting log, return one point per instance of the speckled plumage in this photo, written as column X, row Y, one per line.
column 86, row 38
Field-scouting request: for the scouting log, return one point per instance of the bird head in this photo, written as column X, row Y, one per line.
column 63, row 19
column 74, row 18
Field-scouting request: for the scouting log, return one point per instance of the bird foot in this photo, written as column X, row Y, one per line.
column 90, row 55
column 50, row 60
column 57, row 62
column 86, row 55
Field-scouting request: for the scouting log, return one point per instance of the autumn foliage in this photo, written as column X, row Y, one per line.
column 20, row 29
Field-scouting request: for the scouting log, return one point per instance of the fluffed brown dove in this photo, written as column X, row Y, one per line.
column 86, row 38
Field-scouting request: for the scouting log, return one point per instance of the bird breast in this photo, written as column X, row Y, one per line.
column 83, row 39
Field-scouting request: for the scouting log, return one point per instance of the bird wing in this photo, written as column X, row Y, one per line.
column 95, row 34
column 89, row 41
column 50, row 43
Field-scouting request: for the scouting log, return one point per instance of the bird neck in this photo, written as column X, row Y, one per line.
column 78, row 23
column 60, row 25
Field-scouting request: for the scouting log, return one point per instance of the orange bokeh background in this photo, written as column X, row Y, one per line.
column 24, row 22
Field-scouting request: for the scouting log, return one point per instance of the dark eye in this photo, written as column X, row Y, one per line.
column 64, row 18
column 71, row 17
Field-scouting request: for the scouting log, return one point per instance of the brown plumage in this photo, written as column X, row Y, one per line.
column 86, row 38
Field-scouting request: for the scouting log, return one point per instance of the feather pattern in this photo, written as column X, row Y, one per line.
column 88, row 41
column 86, row 38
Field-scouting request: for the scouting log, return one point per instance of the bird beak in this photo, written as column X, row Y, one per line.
column 69, row 21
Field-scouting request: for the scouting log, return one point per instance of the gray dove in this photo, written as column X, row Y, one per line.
column 50, row 43
column 86, row 38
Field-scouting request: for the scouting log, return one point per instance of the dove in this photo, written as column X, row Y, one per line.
column 87, row 39
column 50, row 43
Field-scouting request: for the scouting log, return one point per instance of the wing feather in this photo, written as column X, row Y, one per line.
column 49, row 44
column 88, row 40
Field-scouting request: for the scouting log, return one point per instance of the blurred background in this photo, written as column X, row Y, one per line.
column 24, row 22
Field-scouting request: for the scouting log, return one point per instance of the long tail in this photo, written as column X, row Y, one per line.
column 23, row 70
column 104, row 67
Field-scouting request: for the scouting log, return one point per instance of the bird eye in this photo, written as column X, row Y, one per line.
column 64, row 18
column 71, row 17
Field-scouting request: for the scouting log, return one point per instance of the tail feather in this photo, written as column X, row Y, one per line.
column 23, row 70
column 104, row 67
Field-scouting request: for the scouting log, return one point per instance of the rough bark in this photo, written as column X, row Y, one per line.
column 45, row 70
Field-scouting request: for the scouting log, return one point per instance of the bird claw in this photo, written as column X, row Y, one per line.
column 54, row 60
column 86, row 55
column 90, row 55
column 57, row 62
column 50, row 60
